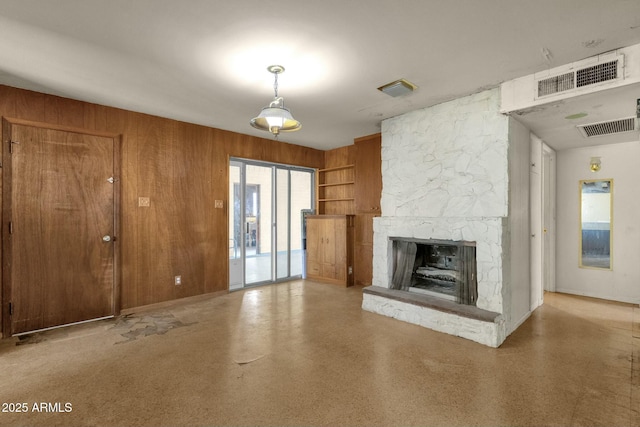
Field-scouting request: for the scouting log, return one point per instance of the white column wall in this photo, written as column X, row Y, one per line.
column 446, row 175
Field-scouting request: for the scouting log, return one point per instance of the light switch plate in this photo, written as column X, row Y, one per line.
column 219, row 204
column 143, row 202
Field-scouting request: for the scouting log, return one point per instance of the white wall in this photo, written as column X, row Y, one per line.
column 447, row 161
column 535, row 198
column 517, row 286
column 619, row 162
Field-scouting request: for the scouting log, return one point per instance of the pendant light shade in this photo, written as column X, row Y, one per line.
column 276, row 118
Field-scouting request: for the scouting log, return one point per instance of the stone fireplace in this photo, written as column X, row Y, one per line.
column 455, row 181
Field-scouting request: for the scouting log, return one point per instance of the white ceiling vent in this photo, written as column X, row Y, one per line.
column 581, row 77
column 608, row 128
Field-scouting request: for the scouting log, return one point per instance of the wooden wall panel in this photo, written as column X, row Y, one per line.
column 217, row 279
column 29, row 105
column 95, row 117
column 123, row 122
column 368, row 173
column 65, row 112
column 183, row 169
column 8, row 103
column 340, row 156
column 154, row 227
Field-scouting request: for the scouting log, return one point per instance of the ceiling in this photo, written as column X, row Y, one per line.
column 204, row 61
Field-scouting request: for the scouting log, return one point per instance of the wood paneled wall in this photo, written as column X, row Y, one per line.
column 182, row 168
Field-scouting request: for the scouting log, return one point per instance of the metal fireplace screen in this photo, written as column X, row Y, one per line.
column 445, row 269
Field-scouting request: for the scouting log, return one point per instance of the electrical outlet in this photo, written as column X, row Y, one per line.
column 219, row 204
column 143, row 202
column 178, row 280
column 350, row 270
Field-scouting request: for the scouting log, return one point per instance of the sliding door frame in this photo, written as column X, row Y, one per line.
column 275, row 167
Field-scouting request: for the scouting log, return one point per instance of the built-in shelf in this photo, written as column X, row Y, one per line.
column 335, row 184
column 336, row 168
column 336, row 200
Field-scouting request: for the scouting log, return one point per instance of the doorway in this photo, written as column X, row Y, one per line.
column 60, row 192
column 543, row 221
column 549, row 218
column 265, row 223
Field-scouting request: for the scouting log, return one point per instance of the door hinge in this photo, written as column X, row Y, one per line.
column 10, row 227
column 11, row 146
column 10, row 309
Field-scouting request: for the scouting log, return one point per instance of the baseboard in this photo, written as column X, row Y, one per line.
column 592, row 295
column 172, row 303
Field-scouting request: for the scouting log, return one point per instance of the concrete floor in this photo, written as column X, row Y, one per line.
column 304, row 353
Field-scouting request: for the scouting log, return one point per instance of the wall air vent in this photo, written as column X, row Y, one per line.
column 608, row 128
column 597, row 74
column 556, row 84
column 581, row 77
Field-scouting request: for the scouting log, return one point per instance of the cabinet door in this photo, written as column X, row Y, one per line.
column 363, row 263
column 327, row 249
column 314, row 246
column 338, row 247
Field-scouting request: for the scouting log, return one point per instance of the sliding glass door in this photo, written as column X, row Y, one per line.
column 265, row 239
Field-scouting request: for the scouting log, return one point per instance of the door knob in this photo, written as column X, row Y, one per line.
column 106, row 238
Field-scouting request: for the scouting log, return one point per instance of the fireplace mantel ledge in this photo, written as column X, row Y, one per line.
column 468, row 311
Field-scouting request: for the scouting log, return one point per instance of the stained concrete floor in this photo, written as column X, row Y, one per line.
column 304, row 353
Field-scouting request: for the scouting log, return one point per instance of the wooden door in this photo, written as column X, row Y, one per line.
column 60, row 202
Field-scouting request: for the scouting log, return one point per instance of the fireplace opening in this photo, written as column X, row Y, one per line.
column 441, row 268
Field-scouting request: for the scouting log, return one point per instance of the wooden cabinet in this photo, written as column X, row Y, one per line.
column 351, row 184
column 368, row 191
column 330, row 248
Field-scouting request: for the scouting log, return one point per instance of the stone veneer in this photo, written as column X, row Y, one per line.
column 445, row 173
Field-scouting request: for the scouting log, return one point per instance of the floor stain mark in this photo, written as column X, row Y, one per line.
column 134, row 326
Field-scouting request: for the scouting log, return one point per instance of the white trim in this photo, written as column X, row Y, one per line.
column 62, row 326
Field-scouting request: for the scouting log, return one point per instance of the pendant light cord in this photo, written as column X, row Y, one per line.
column 275, row 84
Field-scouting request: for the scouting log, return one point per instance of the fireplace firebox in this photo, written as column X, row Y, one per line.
column 444, row 269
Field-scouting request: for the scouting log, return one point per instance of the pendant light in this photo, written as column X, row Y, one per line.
column 276, row 118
